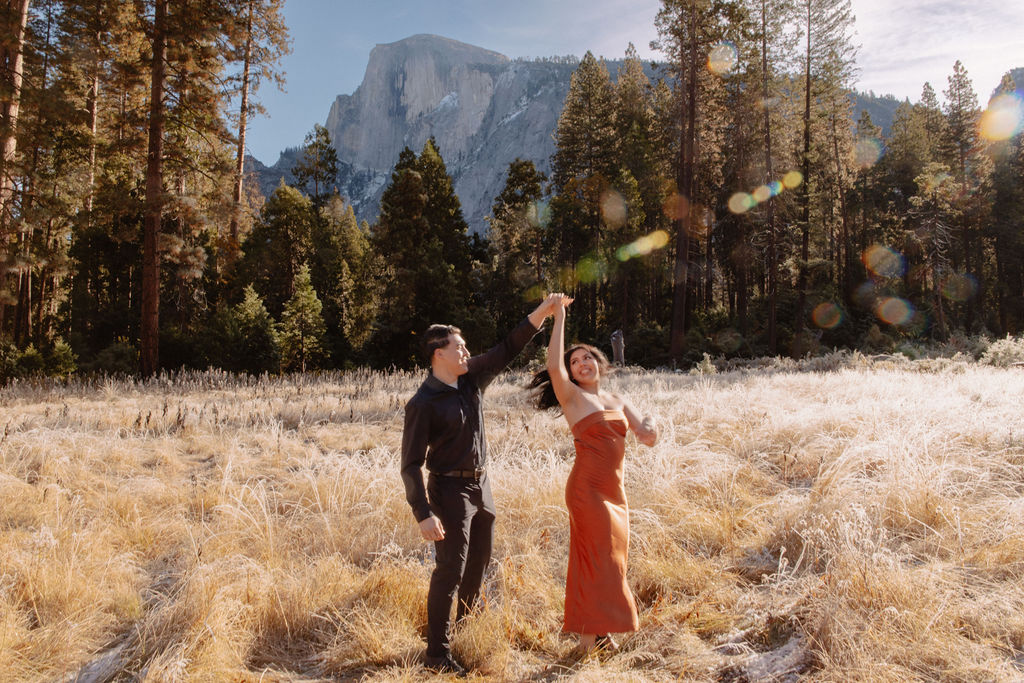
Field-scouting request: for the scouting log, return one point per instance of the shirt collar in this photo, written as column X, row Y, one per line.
column 435, row 384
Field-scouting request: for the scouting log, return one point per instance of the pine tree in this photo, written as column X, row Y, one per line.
column 934, row 122
column 340, row 271
column 260, row 39
column 1008, row 224
column 317, row 170
column 828, row 56
column 687, row 29
column 962, row 151
column 13, row 20
column 251, row 344
column 280, row 243
column 302, row 327
column 518, row 241
column 582, row 168
column 585, row 136
column 150, row 326
column 443, row 211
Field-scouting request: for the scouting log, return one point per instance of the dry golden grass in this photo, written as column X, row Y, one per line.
column 860, row 524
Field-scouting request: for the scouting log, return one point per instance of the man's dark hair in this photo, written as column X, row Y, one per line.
column 436, row 337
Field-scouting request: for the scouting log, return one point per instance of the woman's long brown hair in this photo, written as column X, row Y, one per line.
column 540, row 385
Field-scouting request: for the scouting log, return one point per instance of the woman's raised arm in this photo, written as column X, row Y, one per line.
column 560, row 382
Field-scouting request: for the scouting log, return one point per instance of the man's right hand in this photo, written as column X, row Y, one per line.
column 431, row 529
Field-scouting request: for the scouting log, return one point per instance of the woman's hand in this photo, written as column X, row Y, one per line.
column 562, row 302
column 647, row 434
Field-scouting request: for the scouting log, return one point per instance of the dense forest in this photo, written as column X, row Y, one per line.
column 735, row 205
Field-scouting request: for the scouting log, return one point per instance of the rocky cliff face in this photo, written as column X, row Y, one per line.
column 483, row 109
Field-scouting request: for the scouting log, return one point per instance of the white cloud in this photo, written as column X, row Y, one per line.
column 906, row 43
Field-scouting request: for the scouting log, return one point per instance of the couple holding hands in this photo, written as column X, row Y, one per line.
column 444, row 430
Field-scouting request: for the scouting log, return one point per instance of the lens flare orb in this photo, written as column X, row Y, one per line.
column 867, row 152
column 959, row 287
column 827, row 315
column 722, row 58
column 613, row 209
column 642, row 246
column 883, row 261
column 675, row 206
column 741, row 202
column 762, row 194
column 894, row 310
column 792, row 180
column 1003, row 119
column 590, row 269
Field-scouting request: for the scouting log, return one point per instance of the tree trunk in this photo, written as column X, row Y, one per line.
column 149, row 332
column 805, row 200
column 93, row 107
column 12, row 58
column 11, row 73
column 688, row 128
column 773, row 256
column 243, row 117
column 843, row 257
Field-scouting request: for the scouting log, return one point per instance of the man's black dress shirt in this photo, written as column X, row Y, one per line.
column 444, row 426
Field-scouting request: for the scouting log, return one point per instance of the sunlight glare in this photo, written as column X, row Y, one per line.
column 894, row 310
column 959, row 287
column 590, row 269
column 642, row 246
column 722, row 58
column 1004, row 118
column 675, row 206
column 613, row 209
column 867, row 152
column 883, row 261
column 741, row 202
column 827, row 315
column 792, row 180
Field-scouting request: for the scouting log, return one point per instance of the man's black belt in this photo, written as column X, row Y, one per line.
column 462, row 474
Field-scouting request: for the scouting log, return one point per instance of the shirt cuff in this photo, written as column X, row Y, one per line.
column 421, row 513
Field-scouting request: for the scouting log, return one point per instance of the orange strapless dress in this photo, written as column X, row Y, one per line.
column 597, row 597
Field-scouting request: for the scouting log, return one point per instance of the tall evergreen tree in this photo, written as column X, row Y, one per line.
column 583, row 166
column 828, row 56
column 302, row 326
column 317, row 170
column 518, row 240
column 259, row 39
column 687, row 30
column 280, row 243
column 962, row 151
column 149, row 331
column 421, row 250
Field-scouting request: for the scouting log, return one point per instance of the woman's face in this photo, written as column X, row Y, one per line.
column 584, row 367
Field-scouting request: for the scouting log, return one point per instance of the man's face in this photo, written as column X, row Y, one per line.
column 454, row 357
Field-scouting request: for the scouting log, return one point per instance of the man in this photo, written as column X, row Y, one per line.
column 444, row 429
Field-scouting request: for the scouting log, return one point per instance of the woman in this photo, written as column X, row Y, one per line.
column 597, row 598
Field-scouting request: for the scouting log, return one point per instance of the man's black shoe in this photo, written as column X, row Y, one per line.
column 446, row 665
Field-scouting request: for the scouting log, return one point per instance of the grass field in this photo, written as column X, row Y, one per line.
column 864, row 522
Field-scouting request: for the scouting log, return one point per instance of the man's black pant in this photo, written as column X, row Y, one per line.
column 466, row 509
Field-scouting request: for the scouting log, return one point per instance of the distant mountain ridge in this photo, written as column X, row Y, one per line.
column 484, row 110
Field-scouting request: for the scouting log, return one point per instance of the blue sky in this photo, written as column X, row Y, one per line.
column 903, row 43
